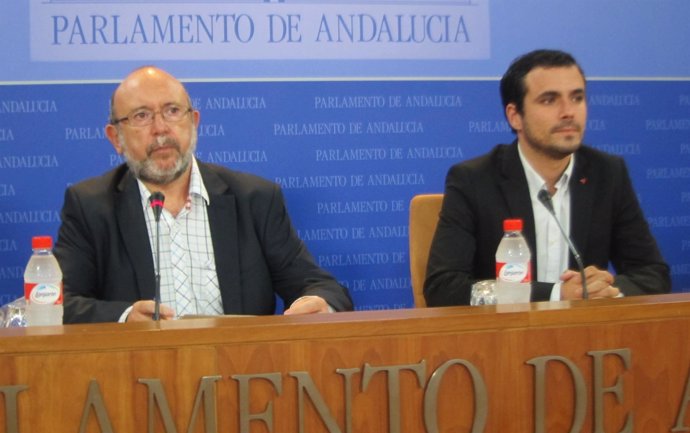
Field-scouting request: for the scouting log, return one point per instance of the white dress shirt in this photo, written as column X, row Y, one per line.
column 552, row 250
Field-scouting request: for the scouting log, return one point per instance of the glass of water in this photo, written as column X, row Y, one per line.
column 483, row 293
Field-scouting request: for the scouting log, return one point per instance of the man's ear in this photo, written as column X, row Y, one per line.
column 514, row 117
column 111, row 133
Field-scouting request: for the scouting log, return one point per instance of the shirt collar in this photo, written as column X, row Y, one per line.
column 536, row 183
column 196, row 183
column 196, row 186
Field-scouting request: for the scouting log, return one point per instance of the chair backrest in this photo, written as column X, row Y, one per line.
column 424, row 210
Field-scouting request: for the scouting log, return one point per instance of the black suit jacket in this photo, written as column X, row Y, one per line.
column 104, row 250
column 607, row 225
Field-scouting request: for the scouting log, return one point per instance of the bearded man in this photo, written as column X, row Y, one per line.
column 545, row 102
column 227, row 245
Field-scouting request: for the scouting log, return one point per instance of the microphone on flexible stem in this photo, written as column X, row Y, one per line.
column 545, row 199
column 156, row 200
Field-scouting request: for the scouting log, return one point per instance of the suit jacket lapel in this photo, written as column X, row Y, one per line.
column 582, row 192
column 130, row 220
column 516, row 193
column 222, row 217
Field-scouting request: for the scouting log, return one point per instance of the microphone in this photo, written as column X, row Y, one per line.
column 545, row 199
column 156, row 200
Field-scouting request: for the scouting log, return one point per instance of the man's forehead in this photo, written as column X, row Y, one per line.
column 554, row 79
column 142, row 88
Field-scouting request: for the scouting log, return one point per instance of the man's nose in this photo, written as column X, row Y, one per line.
column 158, row 123
column 568, row 108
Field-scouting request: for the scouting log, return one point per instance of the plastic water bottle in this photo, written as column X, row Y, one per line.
column 43, row 285
column 513, row 265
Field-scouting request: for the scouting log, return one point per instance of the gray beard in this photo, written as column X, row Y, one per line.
column 148, row 172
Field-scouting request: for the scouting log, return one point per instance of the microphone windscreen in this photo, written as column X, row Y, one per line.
column 157, row 200
column 545, row 199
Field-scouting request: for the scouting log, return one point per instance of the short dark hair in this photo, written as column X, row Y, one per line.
column 513, row 87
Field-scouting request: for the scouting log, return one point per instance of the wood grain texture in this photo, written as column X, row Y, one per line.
column 59, row 363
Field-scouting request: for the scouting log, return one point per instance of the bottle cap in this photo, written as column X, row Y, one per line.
column 41, row 242
column 514, row 225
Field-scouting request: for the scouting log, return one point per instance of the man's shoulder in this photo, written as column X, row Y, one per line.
column 596, row 154
column 103, row 184
column 486, row 162
column 237, row 181
column 595, row 158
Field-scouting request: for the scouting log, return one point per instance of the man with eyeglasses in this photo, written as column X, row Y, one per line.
column 227, row 245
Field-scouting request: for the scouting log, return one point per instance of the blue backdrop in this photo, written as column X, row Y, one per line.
column 351, row 139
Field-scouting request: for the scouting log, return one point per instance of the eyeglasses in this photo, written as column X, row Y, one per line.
column 145, row 116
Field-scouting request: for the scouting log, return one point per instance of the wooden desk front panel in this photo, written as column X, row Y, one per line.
column 641, row 344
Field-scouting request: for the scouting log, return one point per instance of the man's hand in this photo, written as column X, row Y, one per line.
column 598, row 284
column 308, row 305
column 143, row 310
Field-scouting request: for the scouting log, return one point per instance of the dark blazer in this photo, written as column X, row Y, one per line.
column 607, row 225
column 104, row 250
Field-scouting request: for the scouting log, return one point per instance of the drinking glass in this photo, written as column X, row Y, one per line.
column 483, row 293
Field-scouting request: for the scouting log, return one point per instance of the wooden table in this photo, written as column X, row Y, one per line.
column 586, row 366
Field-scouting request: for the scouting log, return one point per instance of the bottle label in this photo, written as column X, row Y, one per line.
column 44, row 294
column 514, row 272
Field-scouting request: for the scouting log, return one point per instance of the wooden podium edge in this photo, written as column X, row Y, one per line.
column 237, row 330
